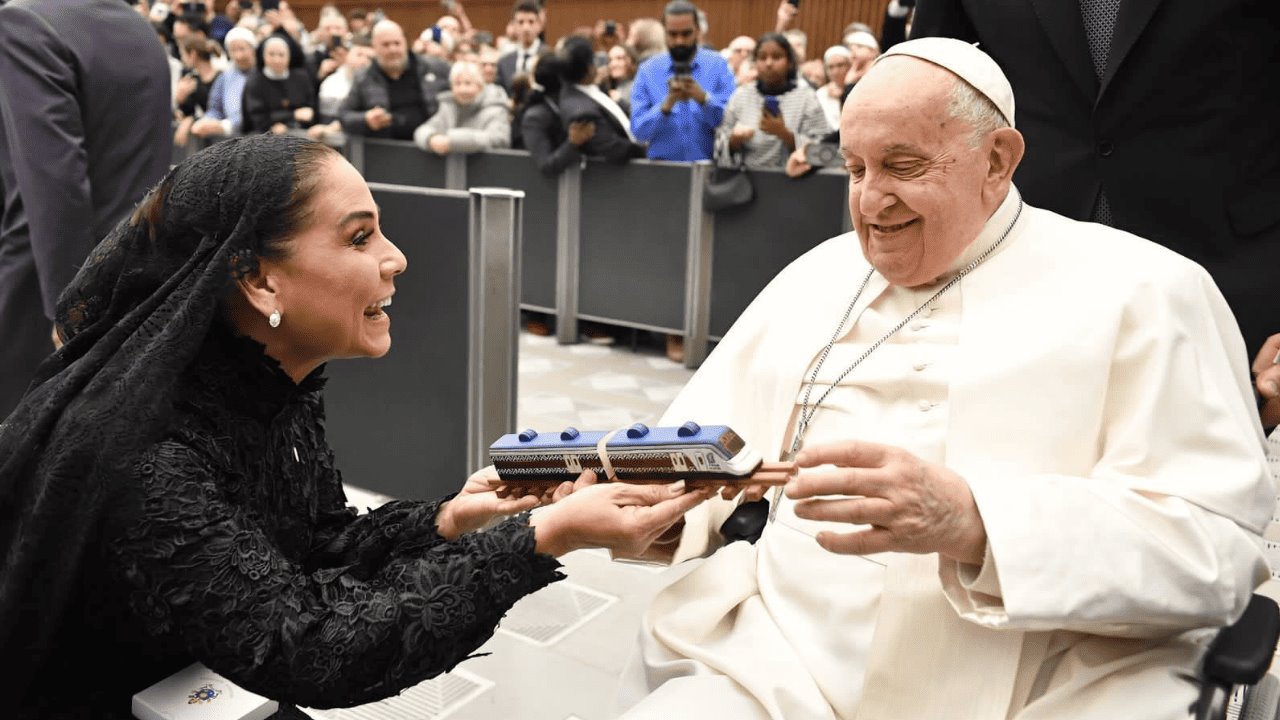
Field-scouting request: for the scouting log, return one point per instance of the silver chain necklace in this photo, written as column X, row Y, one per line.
column 807, row 411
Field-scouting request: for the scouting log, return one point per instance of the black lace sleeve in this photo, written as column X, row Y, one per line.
column 340, row 634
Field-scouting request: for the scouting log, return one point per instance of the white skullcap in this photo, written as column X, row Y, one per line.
column 863, row 38
column 965, row 61
column 835, row 51
column 239, row 33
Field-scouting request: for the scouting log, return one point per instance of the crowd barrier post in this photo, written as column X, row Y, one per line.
column 568, row 220
column 455, row 171
column 492, row 376
column 701, row 242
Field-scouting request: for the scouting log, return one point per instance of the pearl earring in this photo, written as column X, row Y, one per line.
column 274, row 320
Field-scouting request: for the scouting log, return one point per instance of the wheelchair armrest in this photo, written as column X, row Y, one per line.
column 1241, row 653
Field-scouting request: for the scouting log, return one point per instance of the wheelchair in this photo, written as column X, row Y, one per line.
column 1234, row 682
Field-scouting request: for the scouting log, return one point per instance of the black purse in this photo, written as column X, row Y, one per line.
column 727, row 187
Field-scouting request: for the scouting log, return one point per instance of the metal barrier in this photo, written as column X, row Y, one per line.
column 414, row 423
column 630, row 244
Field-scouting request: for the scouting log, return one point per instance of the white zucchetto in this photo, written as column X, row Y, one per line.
column 965, row 61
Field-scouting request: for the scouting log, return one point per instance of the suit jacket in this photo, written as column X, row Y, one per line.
column 1110, row 473
column 610, row 141
column 84, row 97
column 507, row 67
column 1180, row 131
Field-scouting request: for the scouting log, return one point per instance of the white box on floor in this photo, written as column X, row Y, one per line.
column 198, row 693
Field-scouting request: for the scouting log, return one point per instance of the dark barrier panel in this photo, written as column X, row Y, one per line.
column 411, row 424
column 755, row 242
column 633, row 244
column 396, row 162
column 515, row 169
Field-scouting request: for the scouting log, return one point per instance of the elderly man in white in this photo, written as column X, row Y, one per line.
column 1041, row 431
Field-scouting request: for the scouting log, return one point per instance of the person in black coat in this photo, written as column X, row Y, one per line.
column 84, row 95
column 278, row 98
column 1158, row 118
column 542, row 132
column 581, row 100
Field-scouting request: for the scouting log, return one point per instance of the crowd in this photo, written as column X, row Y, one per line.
column 453, row 87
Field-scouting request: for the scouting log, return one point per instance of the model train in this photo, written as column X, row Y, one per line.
column 636, row 454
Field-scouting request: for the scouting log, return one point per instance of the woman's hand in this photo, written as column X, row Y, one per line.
column 477, row 504
column 580, row 131
column 774, row 125
column 619, row 516
column 304, row 114
column 1266, row 371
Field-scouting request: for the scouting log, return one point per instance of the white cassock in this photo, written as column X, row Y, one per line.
column 1093, row 390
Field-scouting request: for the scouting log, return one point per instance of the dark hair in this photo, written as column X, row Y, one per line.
column 579, row 60
column 357, row 13
column 550, row 73
column 526, row 6
column 203, row 49
column 277, row 226
column 680, row 7
column 783, row 43
column 194, row 21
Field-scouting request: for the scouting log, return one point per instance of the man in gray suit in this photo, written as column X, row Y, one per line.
column 84, row 132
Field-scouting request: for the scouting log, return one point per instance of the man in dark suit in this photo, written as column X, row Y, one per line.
column 1155, row 116
column 528, row 17
column 84, row 100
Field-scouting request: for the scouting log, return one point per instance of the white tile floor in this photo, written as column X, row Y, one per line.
column 558, row 653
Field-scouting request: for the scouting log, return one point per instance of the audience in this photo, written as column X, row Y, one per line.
column 278, row 98
column 226, row 97
column 750, row 129
column 553, row 146
column 581, row 100
column 678, row 99
column 395, row 95
column 527, row 20
column 740, row 48
column 621, row 76
column 194, row 87
column 473, row 116
column 837, row 61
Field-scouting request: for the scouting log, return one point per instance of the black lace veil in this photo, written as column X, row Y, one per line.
column 133, row 320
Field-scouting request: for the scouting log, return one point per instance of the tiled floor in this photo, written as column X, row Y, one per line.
column 557, row 655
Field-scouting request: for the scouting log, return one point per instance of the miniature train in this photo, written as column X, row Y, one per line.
column 638, row 454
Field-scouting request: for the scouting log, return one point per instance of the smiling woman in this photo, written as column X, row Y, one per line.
column 167, row 494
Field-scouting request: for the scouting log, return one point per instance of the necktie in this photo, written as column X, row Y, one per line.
column 1099, row 17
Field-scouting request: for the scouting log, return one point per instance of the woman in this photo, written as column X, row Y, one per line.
column 543, row 134
column 167, row 494
column 837, row 60
column 278, row 98
column 623, row 62
column 763, row 138
column 473, row 116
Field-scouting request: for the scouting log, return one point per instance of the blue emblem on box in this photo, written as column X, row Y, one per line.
column 206, row 693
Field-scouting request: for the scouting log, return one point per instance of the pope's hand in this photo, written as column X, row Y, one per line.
column 620, row 516
column 911, row 505
column 1266, row 371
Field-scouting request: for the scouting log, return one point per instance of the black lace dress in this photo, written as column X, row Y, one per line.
column 231, row 544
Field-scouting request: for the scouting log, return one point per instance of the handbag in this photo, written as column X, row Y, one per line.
column 727, row 187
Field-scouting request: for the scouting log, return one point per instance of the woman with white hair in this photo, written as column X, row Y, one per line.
column 837, row 61
column 473, row 116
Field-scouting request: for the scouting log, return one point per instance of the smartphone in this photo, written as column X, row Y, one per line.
column 436, row 33
column 610, row 28
column 194, row 8
column 795, row 3
column 268, row 5
column 771, row 105
column 335, row 41
column 449, row 5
